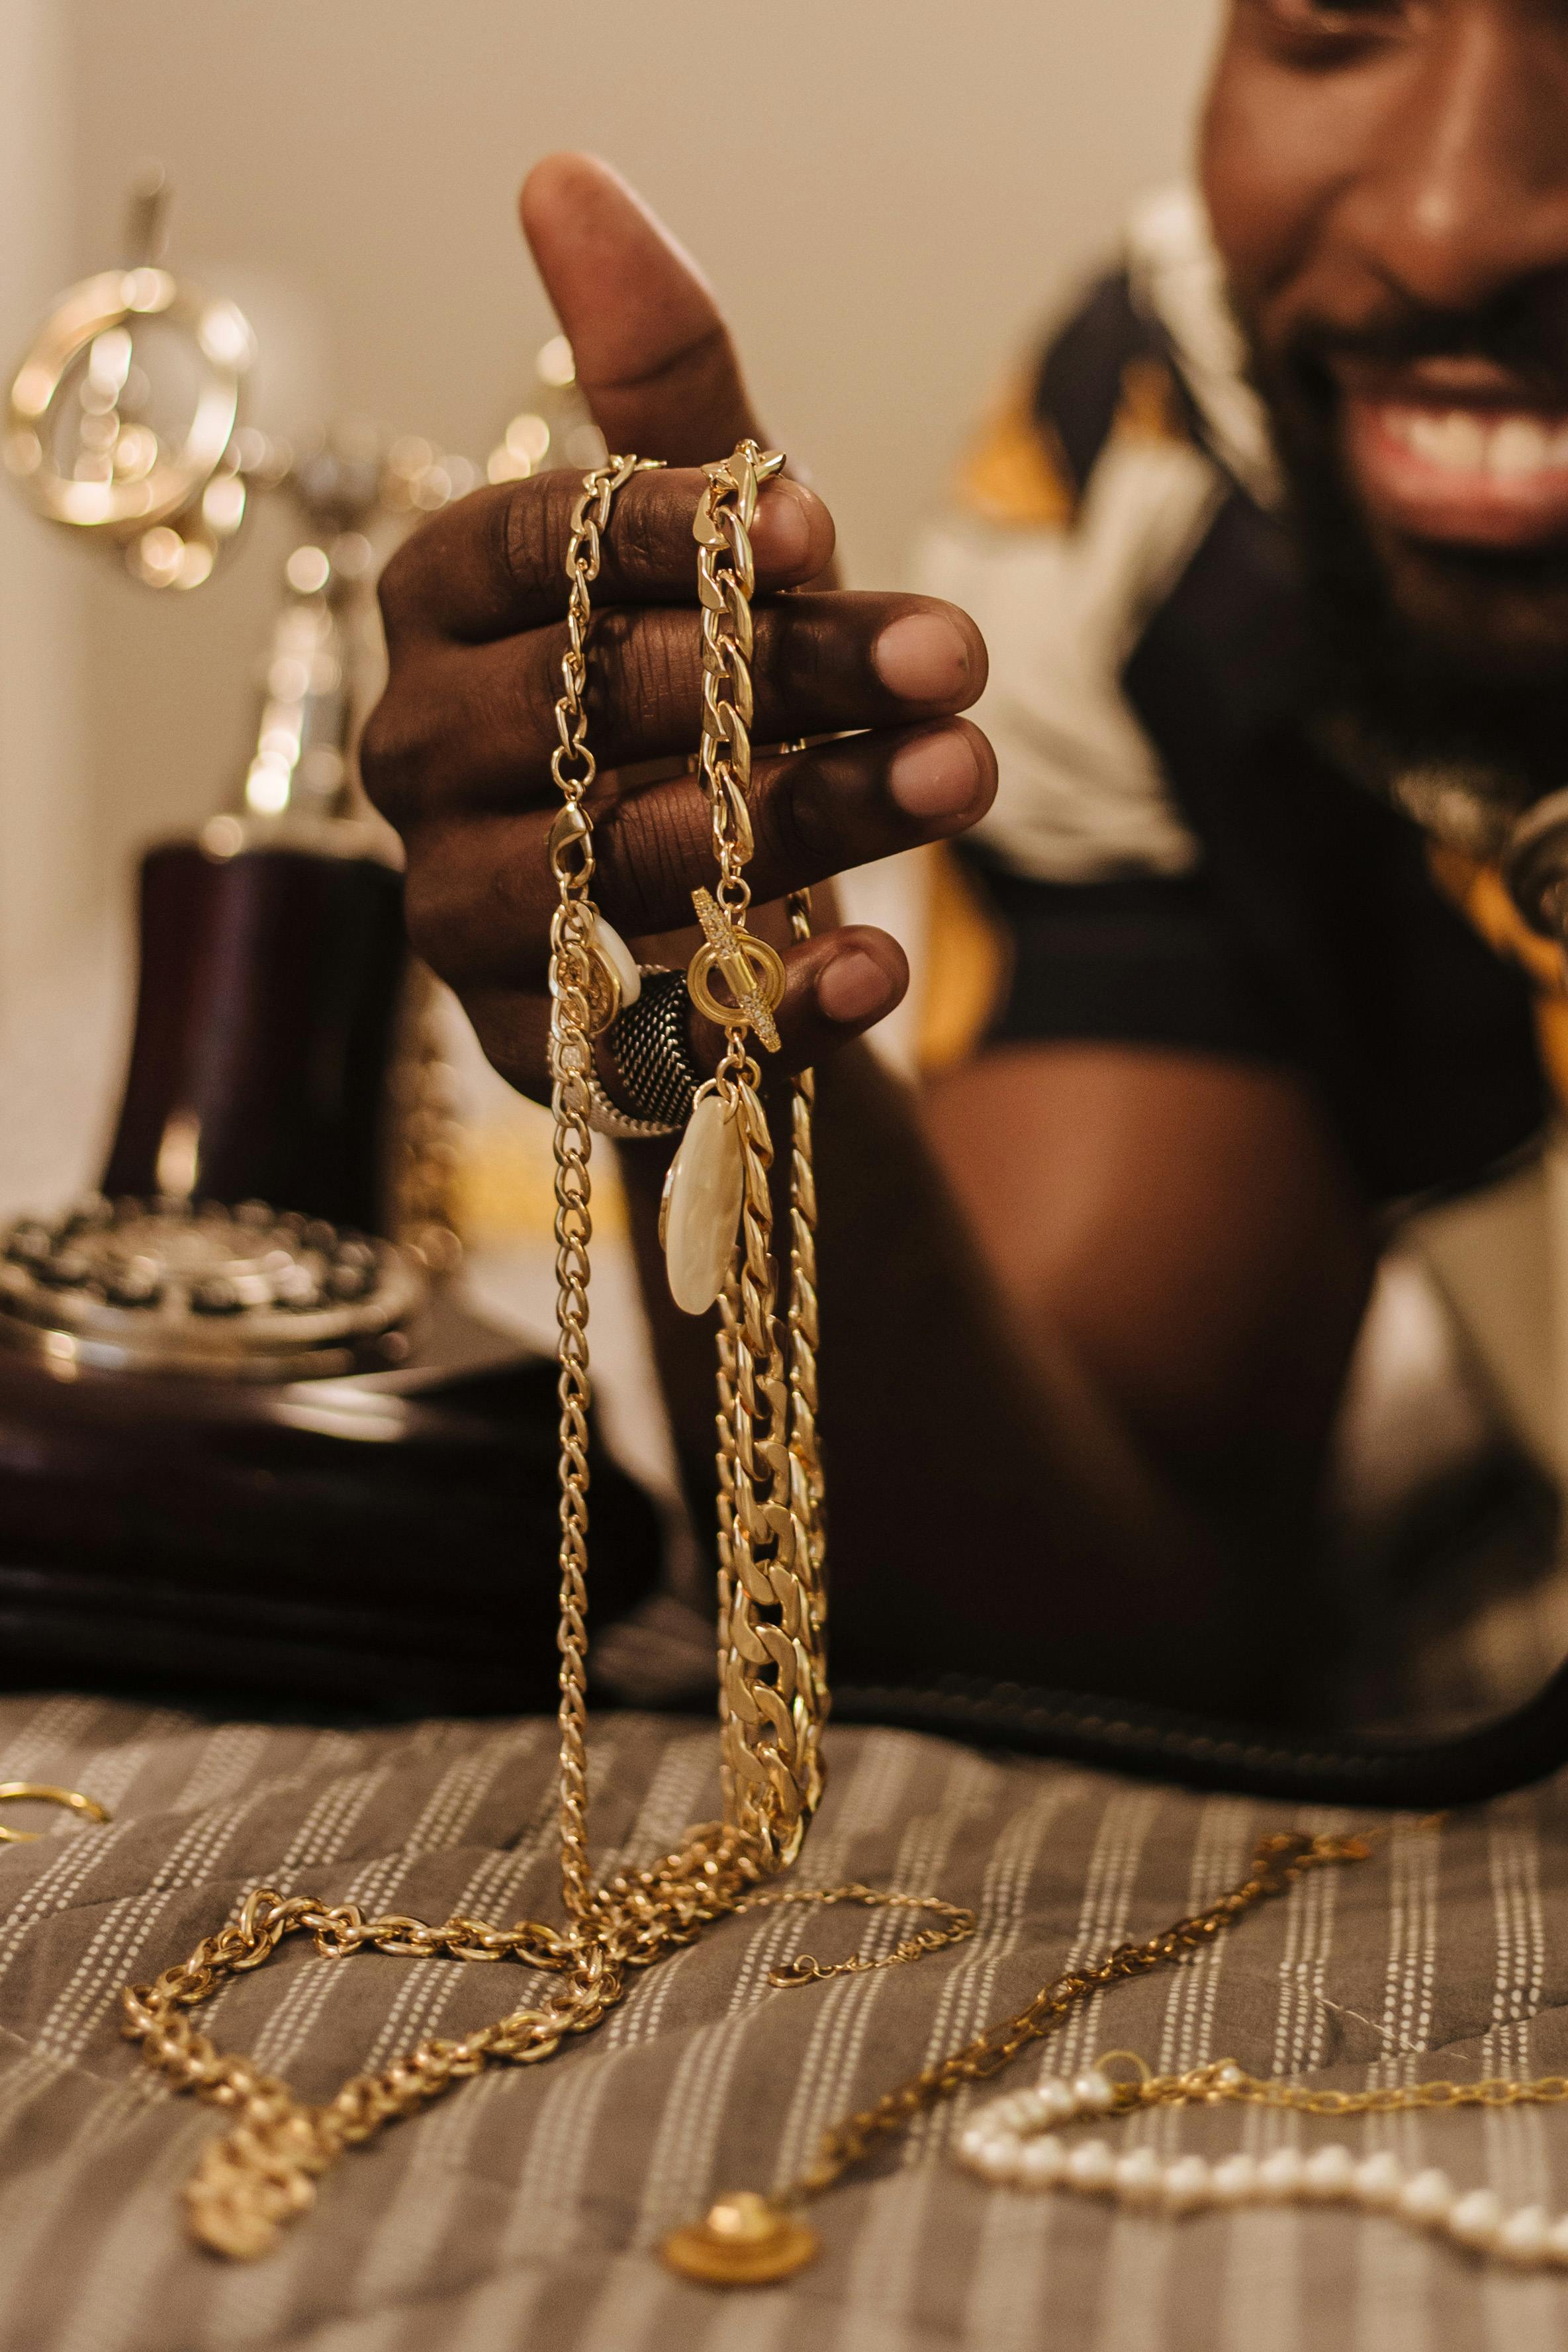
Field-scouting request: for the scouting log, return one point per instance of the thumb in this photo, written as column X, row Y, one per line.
column 654, row 360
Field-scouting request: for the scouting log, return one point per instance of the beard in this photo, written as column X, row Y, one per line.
column 1440, row 673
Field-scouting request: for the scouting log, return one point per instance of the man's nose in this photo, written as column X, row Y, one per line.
column 1469, row 197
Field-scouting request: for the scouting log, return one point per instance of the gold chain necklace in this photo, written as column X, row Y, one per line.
column 772, row 1686
column 1020, row 2143
column 747, row 2239
column 772, row 1618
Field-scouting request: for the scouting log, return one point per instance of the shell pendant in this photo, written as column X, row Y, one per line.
column 700, row 1211
column 614, row 983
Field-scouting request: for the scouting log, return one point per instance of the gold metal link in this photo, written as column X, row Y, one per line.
column 1222, row 2082
column 1280, row 1860
column 772, row 1680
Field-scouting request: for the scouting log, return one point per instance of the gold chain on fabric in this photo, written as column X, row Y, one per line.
column 747, row 2239
column 772, row 1682
column 1222, row 2082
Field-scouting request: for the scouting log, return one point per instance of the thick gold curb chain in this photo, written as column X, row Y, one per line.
column 773, row 1696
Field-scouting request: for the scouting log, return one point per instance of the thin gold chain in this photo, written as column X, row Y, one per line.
column 1223, row 2082
column 1279, row 1861
column 748, row 2239
column 263, row 2171
column 573, row 767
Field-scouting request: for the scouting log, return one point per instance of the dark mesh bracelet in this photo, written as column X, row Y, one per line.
column 650, row 1049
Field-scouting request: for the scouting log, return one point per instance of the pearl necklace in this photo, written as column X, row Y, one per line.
column 1011, row 2145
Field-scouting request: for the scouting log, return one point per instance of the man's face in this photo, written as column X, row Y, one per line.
column 1388, row 184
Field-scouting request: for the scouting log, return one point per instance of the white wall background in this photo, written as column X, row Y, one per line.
column 886, row 196
column 47, row 872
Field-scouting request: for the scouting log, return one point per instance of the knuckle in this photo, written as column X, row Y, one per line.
column 640, row 529
column 511, row 1033
column 647, row 848
column 804, row 822
column 642, row 674
column 395, row 746
column 397, row 589
column 531, row 523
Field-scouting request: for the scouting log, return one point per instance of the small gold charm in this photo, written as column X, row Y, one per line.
column 753, row 970
column 743, row 2241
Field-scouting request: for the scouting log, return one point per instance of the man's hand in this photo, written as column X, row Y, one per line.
column 457, row 754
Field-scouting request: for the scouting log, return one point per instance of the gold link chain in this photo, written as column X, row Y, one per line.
column 263, row 2172
column 772, row 1680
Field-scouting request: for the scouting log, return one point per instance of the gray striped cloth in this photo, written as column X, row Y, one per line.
column 523, row 2210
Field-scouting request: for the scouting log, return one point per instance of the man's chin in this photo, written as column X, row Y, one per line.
column 1488, row 625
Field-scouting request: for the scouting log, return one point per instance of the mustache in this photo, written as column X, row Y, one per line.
column 1525, row 333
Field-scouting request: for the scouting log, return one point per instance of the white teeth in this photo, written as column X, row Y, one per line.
column 1461, row 441
column 1519, row 445
column 1458, row 441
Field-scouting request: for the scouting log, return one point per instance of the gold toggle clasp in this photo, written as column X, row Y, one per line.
column 754, row 971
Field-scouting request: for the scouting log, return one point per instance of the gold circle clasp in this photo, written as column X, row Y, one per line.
column 44, row 1792
column 745, row 2239
column 765, row 966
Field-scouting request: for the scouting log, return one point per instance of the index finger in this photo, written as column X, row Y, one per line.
column 495, row 563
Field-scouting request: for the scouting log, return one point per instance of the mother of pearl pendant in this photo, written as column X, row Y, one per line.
column 614, row 981
column 700, row 1211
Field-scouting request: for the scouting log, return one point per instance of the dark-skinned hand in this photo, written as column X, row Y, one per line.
column 457, row 754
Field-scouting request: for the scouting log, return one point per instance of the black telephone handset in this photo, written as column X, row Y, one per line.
column 250, row 1434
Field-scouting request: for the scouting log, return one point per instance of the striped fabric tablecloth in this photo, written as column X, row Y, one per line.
column 523, row 2211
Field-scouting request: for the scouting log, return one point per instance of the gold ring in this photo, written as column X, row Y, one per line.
column 44, row 1792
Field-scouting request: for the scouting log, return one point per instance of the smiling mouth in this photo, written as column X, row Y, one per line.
column 1479, row 473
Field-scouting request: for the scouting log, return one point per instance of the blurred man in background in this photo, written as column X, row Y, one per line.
column 1269, row 561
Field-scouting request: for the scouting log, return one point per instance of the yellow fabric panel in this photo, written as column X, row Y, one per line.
column 966, row 966
column 1481, row 898
column 1014, row 474
column 1150, row 409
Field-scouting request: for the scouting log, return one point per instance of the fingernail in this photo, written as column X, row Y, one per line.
column 923, row 656
column 781, row 527
column 853, row 987
column 936, row 775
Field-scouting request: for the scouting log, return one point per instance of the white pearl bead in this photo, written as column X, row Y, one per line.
column 1428, row 2198
column 1235, row 2179
column 1188, row 2182
column 1055, row 2101
column 1140, row 2176
column 1329, row 2172
column 1477, row 2219
column 1557, row 2240
column 1379, row 2179
column 1093, row 2093
column 1524, row 2234
column 1230, row 2076
column 1279, row 2174
column 1042, row 2164
column 972, row 2138
column 1090, row 2166
column 997, row 2160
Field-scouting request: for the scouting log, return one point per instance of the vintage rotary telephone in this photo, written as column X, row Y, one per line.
column 245, row 1361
